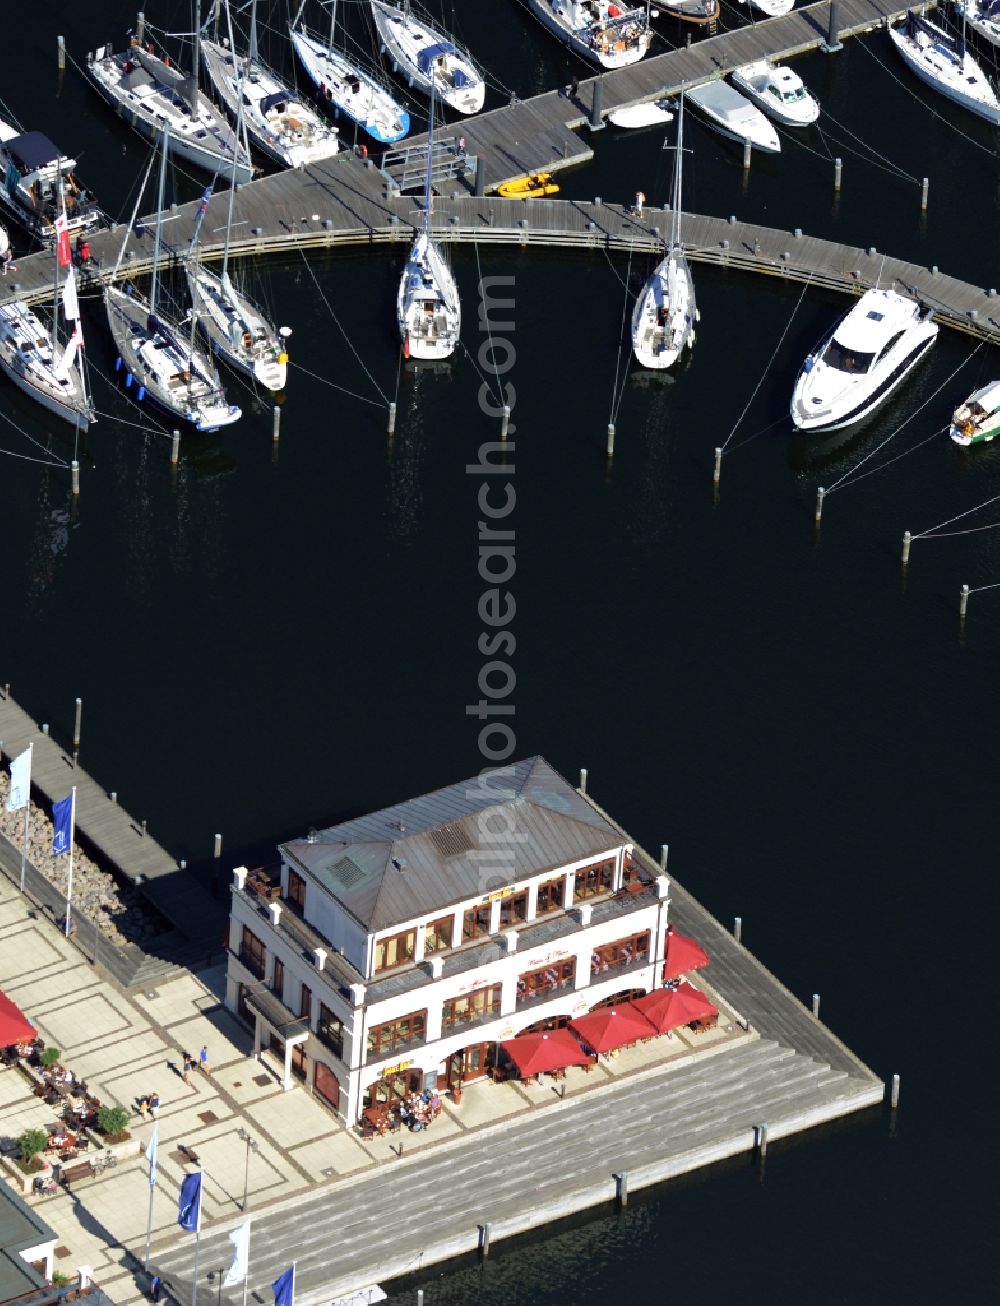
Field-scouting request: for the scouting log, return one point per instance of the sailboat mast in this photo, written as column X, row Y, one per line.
column 333, row 20
column 252, row 55
column 61, row 212
column 196, row 72
column 675, row 217
column 430, row 166
column 155, row 288
column 232, row 182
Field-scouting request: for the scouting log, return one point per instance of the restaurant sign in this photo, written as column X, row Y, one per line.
column 498, row 896
column 396, row 1069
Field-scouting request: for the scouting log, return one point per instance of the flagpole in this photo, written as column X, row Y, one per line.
column 152, row 1190
column 27, row 813
column 72, row 838
column 197, row 1238
column 246, row 1273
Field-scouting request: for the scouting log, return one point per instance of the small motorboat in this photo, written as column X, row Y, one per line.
column 703, row 13
column 652, row 114
column 943, row 62
column 772, row 8
column 778, row 91
column 977, row 421
column 983, row 16
column 528, row 188
column 858, row 367
column 734, row 116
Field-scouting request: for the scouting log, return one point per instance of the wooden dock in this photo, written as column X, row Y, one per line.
column 561, row 1158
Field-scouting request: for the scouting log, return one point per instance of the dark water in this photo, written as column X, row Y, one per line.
column 272, row 642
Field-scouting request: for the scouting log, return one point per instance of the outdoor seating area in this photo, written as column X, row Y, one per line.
column 416, row 1111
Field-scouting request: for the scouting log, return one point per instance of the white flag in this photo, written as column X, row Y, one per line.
column 20, row 781
column 240, row 1238
column 65, row 361
column 71, row 305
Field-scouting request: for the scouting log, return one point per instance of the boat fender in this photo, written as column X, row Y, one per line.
column 807, row 366
column 141, row 393
column 118, row 363
column 363, row 151
column 128, row 381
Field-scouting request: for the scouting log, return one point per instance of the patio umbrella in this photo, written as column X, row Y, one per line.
column 683, row 954
column 608, row 1028
column 670, row 1008
column 536, row 1054
column 14, row 1028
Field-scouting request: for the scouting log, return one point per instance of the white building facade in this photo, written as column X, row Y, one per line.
column 400, row 949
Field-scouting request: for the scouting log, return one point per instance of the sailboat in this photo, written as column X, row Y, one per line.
column 611, row 35
column 427, row 59
column 152, row 351
column 33, row 358
column 942, row 61
column 665, row 313
column 983, row 16
column 233, row 326
column 285, row 129
column 343, row 87
column 428, row 308
column 151, row 94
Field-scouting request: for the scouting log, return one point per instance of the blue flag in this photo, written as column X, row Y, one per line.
column 189, row 1207
column 62, row 826
column 284, row 1288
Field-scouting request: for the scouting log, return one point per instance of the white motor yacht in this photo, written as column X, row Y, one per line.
column 32, row 170
column 427, row 58
column 873, row 348
column 655, row 114
column 609, row 34
column 778, row 91
column 944, row 62
column 734, row 116
column 983, row 16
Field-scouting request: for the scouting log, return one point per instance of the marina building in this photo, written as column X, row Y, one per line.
column 398, row 949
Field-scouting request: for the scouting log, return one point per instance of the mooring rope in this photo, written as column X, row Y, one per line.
column 350, row 343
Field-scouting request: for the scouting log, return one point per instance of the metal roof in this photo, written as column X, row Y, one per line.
column 20, row 1228
column 467, row 840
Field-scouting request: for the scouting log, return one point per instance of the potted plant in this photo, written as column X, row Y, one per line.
column 30, row 1145
column 49, row 1057
column 112, row 1122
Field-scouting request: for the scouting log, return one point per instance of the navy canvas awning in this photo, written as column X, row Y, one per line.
column 429, row 53
column 269, row 101
column 460, row 79
column 32, row 150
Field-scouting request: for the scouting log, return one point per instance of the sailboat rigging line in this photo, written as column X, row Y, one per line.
column 849, row 474
column 350, row 342
column 763, row 431
column 616, row 399
column 934, row 435
column 889, row 164
column 941, row 118
column 947, row 535
column 932, row 532
column 498, row 394
column 610, row 263
column 37, row 443
column 27, row 458
column 333, row 385
column 979, row 588
column 774, row 354
column 136, row 426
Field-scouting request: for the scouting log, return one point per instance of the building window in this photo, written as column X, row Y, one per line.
column 537, row 983
column 386, row 1039
column 550, row 896
column 306, row 1005
column 476, row 922
column 514, row 910
column 253, row 954
column 278, row 979
column 632, row 951
column 476, row 1005
column 326, row 1085
column 296, row 892
column 397, row 950
column 330, row 1031
column 437, row 935
column 594, row 880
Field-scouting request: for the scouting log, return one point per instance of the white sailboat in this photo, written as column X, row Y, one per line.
column 427, row 59
column 52, row 373
column 665, row 313
column 152, row 351
column 428, row 309
column 779, row 91
column 232, row 325
column 609, row 34
column 944, row 62
column 342, row 86
column 151, row 94
column 279, row 123
column 983, row 16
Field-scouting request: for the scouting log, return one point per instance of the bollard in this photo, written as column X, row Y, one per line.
column 113, row 795
column 963, row 601
column 717, row 474
column 504, row 421
column 833, row 43
column 611, row 439
column 664, row 850
column 484, row 1241
column 761, row 1132
column 907, row 538
column 621, row 1189
column 820, row 496
column 144, row 827
column 738, row 928
column 816, row 1005
column 894, row 1093
column 838, row 168
column 596, row 119
column 175, row 447
column 140, row 26
column 925, row 186
column 75, row 472
column 45, row 728
column 276, row 425
column 61, row 52
column 746, row 154
column 391, row 428
column 687, row 43
column 583, row 779
column 76, row 724
column 218, row 847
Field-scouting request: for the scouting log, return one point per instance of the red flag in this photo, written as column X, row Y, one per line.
column 62, row 241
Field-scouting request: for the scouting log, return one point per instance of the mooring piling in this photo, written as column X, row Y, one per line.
column 484, row 1241
column 717, row 473
column 276, row 425
column 738, row 928
column 894, row 1093
column 75, row 474
column 907, row 540
column 816, row 1005
column 924, row 187
column 61, row 53
column 611, row 439
column 217, row 852
column 838, row 169
column 76, row 725
column 621, row 1189
column 664, row 853
column 963, row 601
column 820, row 496
column 583, row 779
column 504, row 421
column 747, row 147
column 175, row 447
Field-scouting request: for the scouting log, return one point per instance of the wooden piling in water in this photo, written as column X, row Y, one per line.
column 747, row 147
column 838, row 169
column 217, row 852
column 963, row 601
column 664, row 852
column 391, row 428
column 717, row 473
column 907, row 540
column 894, row 1093
column 621, row 1189
column 61, row 53
column 175, row 447
column 925, row 186
column 738, row 928
column 583, row 779
column 816, row 1005
column 76, row 725
column 611, row 439
column 276, row 425
column 484, row 1241
column 504, row 421
column 820, row 496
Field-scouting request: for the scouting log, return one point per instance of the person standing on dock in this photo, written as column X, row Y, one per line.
column 203, row 1058
column 640, row 200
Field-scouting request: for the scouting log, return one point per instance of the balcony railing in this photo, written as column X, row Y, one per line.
column 608, row 970
column 254, row 964
column 398, row 1050
column 534, row 997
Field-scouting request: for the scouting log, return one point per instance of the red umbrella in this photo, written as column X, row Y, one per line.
column 671, row 1008
column 608, row 1028
column 535, row 1054
column 683, row 954
column 13, row 1026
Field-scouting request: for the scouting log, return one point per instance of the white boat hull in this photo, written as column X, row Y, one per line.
column 370, row 106
column 581, row 42
column 34, row 372
column 963, row 82
column 754, row 81
column 744, row 123
column 428, row 309
column 235, row 330
column 403, row 37
column 641, row 115
column 985, row 25
column 664, row 315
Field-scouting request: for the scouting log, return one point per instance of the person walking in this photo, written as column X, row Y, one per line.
column 640, row 200
column 188, row 1067
column 203, row 1058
